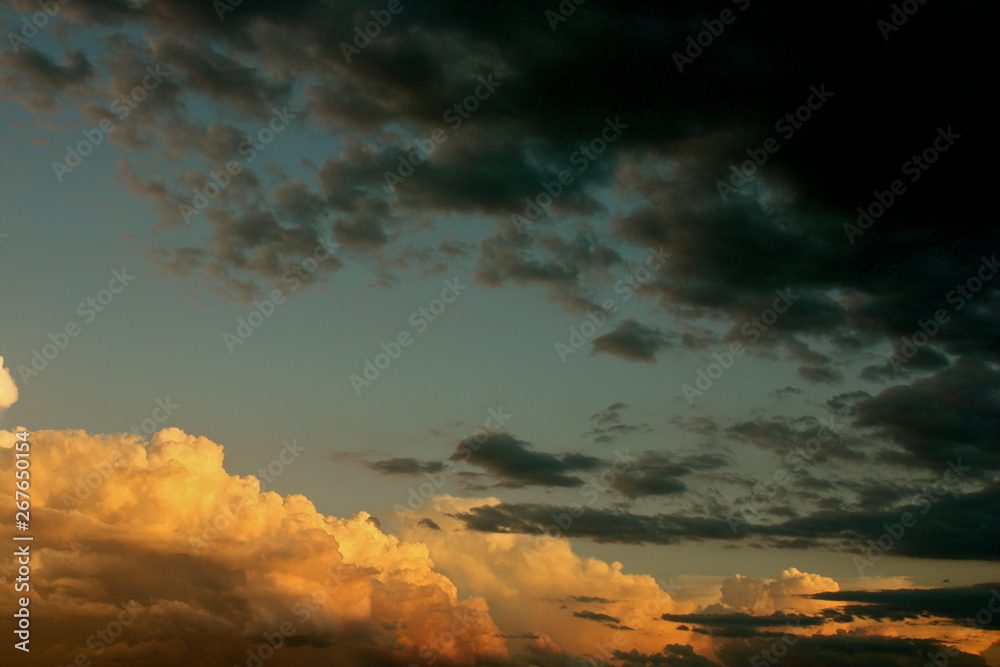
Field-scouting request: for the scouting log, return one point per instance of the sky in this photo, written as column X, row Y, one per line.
column 546, row 334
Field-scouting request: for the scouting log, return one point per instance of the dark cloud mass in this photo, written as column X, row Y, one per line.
column 632, row 341
column 594, row 141
column 404, row 466
column 516, row 463
column 949, row 526
column 961, row 604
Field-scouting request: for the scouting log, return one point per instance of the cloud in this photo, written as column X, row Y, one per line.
column 531, row 581
column 231, row 563
column 404, row 466
column 960, row 604
column 608, row 425
column 952, row 414
column 820, row 374
column 600, row 525
column 763, row 596
column 727, row 620
column 849, row 649
column 8, row 388
column 517, row 464
column 597, row 616
column 784, row 229
column 656, row 474
column 955, row 526
column 632, row 341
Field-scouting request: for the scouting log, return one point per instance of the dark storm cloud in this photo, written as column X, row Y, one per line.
column 949, row 526
column 599, row 525
column 672, row 655
column 745, row 625
column 954, row 413
column 632, row 341
column 656, row 474
column 557, row 89
column 846, row 649
column 404, row 466
column 777, row 619
column 517, row 464
column 823, row 440
column 960, row 604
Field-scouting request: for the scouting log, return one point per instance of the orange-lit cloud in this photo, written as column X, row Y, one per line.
column 124, row 571
column 8, row 389
column 346, row 588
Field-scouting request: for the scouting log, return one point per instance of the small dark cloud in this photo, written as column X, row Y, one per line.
column 590, row 599
column 516, row 463
column 820, row 374
column 608, row 425
column 404, row 466
column 632, row 341
column 656, row 474
column 596, row 616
